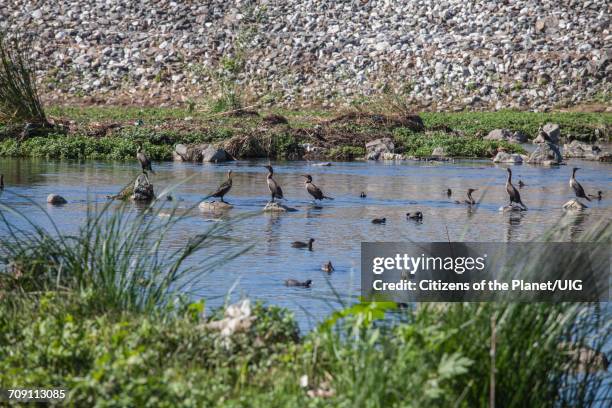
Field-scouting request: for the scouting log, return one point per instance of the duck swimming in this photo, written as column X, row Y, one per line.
column 416, row 216
column 300, row 244
column 379, row 220
column 363, row 194
column 293, row 282
column 327, row 267
column 599, row 195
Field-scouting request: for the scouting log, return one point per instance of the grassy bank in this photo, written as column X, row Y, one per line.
column 113, row 132
column 87, row 313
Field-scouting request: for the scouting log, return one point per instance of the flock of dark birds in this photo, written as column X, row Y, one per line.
column 276, row 192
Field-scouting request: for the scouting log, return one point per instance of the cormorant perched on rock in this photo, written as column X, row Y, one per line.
column 314, row 190
column 275, row 190
column 576, row 186
column 1, row 181
column 327, row 267
column 379, row 220
column 417, row 216
column 513, row 194
column 449, row 192
column 145, row 163
column 300, row 244
column 224, row 187
column 363, row 194
column 599, row 195
column 293, row 282
column 521, row 184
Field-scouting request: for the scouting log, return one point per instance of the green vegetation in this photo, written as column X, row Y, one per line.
column 112, row 132
column 19, row 101
column 87, row 313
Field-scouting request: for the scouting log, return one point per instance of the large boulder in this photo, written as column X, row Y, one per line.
column 580, row 150
column 189, row 153
column 200, row 152
column 553, row 131
column 143, row 189
column 499, row 135
column 546, row 153
column 215, row 155
column 505, row 157
column 376, row 148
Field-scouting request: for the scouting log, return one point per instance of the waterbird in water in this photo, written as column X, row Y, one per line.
column 275, row 189
column 379, row 220
column 470, row 200
column 327, row 267
column 313, row 190
column 449, row 192
column 576, row 185
column 417, row 216
column 293, row 282
column 224, row 187
column 599, row 195
column 363, row 194
column 513, row 194
column 300, row 244
column 521, row 184
column 145, row 163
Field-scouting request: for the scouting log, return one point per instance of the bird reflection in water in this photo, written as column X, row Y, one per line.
column 514, row 222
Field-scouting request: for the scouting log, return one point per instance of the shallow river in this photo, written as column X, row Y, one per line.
column 338, row 226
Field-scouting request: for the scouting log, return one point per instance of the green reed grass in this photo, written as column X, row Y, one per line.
column 19, row 99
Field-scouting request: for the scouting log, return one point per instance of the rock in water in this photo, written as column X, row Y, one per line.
column 576, row 149
column 277, row 207
column 553, row 131
column 56, row 199
column 499, row 135
column 377, row 147
column 143, row 189
column 546, row 153
column 215, row 155
column 214, row 206
column 504, row 157
column 574, row 204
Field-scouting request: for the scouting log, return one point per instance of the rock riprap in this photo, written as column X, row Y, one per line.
column 477, row 54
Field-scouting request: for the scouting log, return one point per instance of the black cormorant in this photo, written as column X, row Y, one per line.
column 145, row 163
column 515, row 196
column 599, row 195
column 293, row 282
column 363, row 194
column 470, row 200
column 275, row 190
column 521, row 184
column 327, row 267
column 379, row 220
column 314, row 190
column 417, row 216
column 576, row 186
column 300, row 244
column 224, row 187
column 449, row 192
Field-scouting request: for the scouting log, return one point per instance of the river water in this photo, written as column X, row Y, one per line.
column 338, row 226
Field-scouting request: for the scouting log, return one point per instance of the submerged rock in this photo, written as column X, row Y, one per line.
column 504, row 157
column 212, row 206
column 277, row 207
column 546, row 153
column 377, row 147
column 574, row 204
column 56, row 199
column 143, row 189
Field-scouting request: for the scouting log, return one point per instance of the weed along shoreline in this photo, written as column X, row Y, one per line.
column 113, row 133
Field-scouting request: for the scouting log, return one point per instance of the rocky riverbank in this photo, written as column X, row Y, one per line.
column 440, row 55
